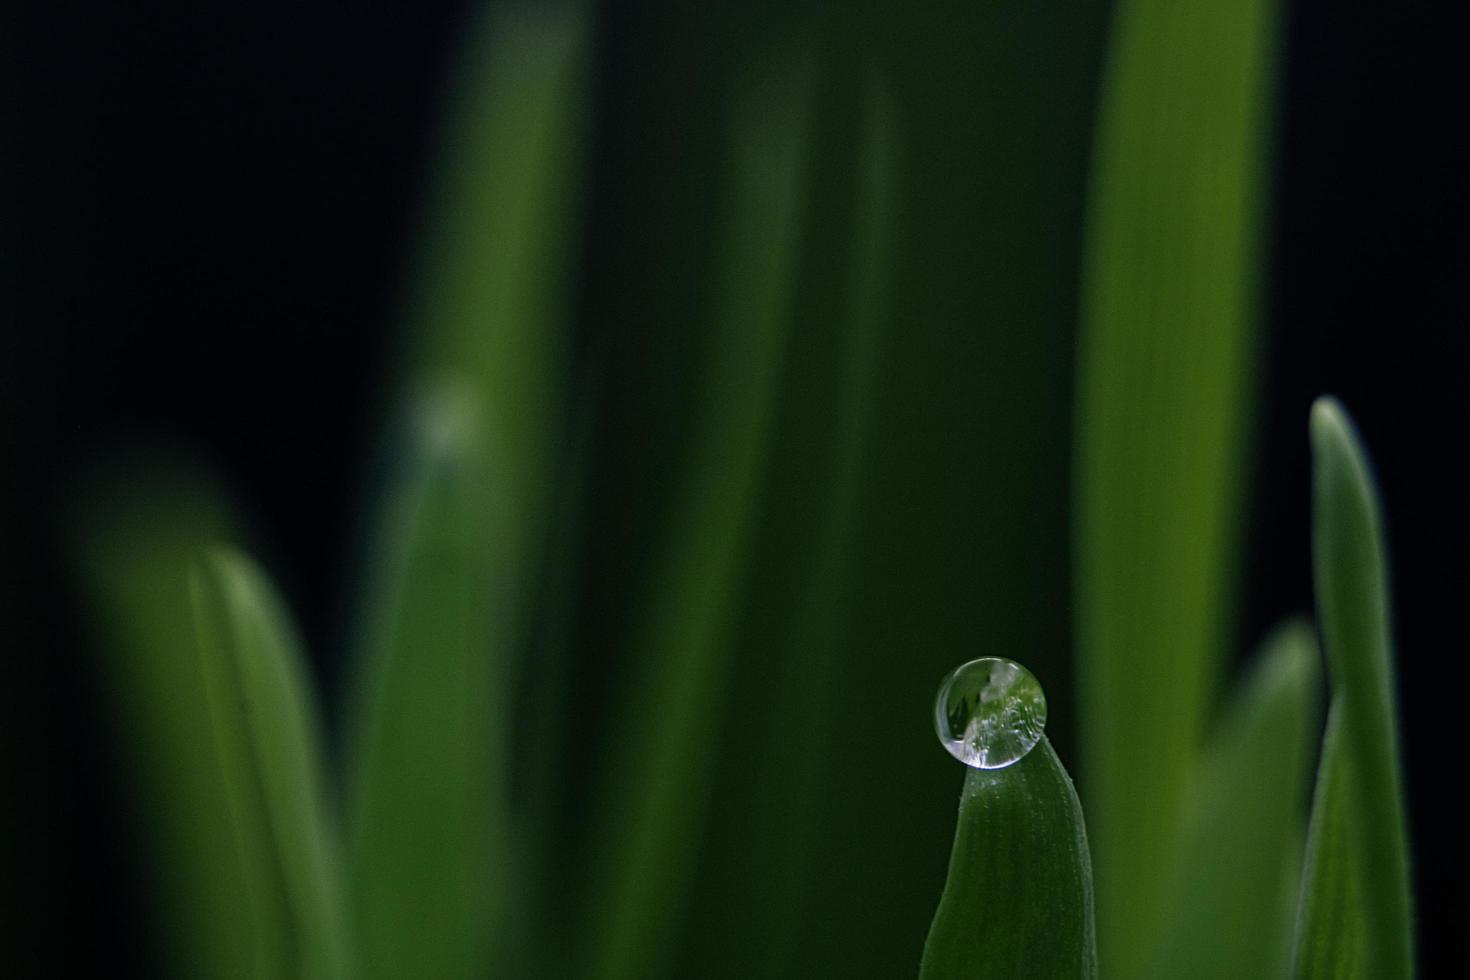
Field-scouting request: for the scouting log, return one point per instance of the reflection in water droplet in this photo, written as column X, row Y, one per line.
column 990, row 712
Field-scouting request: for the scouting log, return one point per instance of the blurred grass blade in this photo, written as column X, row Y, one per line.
column 1330, row 928
column 1018, row 900
column 657, row 777
column 268, row 742
column 216, row 721
column 1352, row 605
column 456, row 552
column 1232, row 891
column 1168, row 325
column 428, row 817
column 767, row 770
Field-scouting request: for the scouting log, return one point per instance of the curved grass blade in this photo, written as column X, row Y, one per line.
column 268, row 741
column 767, row 770
column 428, row 819
column 1170, row 290
column 458, row 547
column 1229, row 904
column 1352, row 605
column 1330, row 928
column 215, row 718
column 136, row 546
column 656, row 778
column 1018, row 900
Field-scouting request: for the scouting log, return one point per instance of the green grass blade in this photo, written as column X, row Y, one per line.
column 267, row 735
column 650, row 798
column 457, row 550
column 427, row 754
column 1353, row 608
column 754, row 871
column 1018, row 900
column 136, row 546
column 1168, row 323
column 219, row 733
column 495, row 281
column 1229, row 905
column 1330, row 928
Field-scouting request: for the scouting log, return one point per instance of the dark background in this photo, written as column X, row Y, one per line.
column 209, row 213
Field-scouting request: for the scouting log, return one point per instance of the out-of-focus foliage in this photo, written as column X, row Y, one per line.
column 732, row 412
column 1169, row 319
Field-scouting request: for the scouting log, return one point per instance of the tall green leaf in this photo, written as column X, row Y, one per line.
column 268, row 743
column 428, row 814
column 1353, row 607
column 1232, row 888
column 1331, row 925
column 1170, row 291
column 653, row 785
column 456, row 551
column 1018, row 900
column 754, row 861
column 219, row 730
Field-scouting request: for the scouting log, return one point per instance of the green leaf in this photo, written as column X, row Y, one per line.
column 267, row 738
column 1230, row 898
column 1331, row 922
column 796, row 594
column 454, row 560
column 1170, row 295
column 218, row 729
column 646, row 829
column 1353, row 608
column 427, row 756
column 1018, row 900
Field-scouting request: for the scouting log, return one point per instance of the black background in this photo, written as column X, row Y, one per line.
column 202, row 202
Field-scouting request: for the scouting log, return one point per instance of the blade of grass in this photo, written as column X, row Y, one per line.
column 1228, row 905
column 427, row 760
column 753, row 865
column 446, row 613
column 654, row 783
column 267, row 737
column 1169, row 302
column 1330, row 928
column 220, row 735
column 1018, row 899
column 1353, row 608
column 136, row 544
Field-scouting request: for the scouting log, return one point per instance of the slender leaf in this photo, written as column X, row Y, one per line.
column 753, row 867
column 1170, row 291
column 650, row 806
column 428, row 820
column 1331, row 926
column 1018, row 900
column 219, row 732
column 1229, row 904
column 1353, row 607
column 267, row 737
column 456, row 552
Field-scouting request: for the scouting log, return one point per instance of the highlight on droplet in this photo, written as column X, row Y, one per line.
column 990, row 712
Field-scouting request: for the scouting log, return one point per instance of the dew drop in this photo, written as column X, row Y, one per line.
column 990, row 712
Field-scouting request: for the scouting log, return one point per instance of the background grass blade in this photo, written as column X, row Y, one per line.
column 1018, row 900
column 428, row 814
column 455, row 555
column 267, row 735
column 1330, row 928
column 1353, row 607
column 218, row 732
column 754, row 860
column 1168, row 325
column 1230, row 901
column 653, row 786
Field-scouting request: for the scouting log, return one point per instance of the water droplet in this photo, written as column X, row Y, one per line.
column 990, row 712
